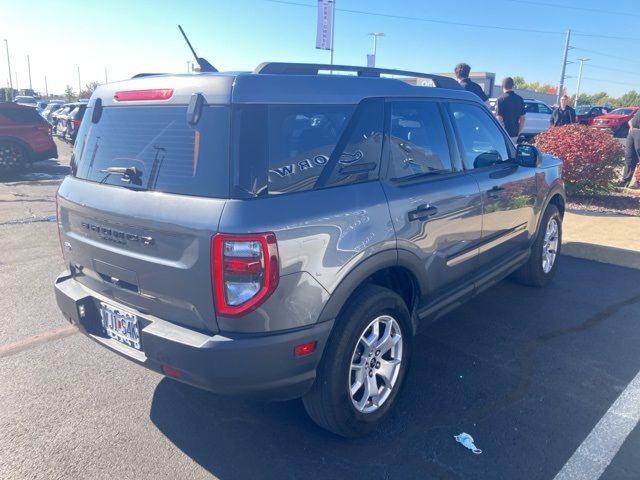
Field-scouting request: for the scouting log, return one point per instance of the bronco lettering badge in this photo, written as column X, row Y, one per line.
column 116, row 236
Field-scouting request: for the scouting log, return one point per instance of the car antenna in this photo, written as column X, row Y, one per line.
column 202, row 63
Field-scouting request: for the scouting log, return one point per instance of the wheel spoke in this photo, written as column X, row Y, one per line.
column 387, row 369
column 373, row 389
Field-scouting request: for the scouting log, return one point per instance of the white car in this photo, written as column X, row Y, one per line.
column 537, row 118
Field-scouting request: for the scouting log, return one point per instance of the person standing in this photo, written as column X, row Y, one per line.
column 632, row 150
column 462, row 72
column 564, row 114
column 510, row 110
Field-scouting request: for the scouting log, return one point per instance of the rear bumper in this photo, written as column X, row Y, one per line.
column 50, row 152
column 260, row 366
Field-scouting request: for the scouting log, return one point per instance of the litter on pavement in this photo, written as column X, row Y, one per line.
column 467, row 441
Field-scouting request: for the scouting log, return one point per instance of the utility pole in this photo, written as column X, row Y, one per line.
column 46, row 86
column 79, row 84
column 581, row 60
column 106, row 79
column 6, row 44
column 29, row 68
column 564, row 66
column 375, row 36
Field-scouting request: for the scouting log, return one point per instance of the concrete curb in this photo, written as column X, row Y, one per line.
column 602, row 253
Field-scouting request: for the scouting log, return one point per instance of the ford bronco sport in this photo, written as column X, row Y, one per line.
column 285, row 233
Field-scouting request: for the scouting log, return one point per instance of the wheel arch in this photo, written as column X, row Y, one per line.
column 19, row 142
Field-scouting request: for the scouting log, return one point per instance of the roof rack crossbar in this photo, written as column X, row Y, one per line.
column 280, row 68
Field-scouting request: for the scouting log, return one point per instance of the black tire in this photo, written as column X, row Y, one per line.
column 532, row 273
column 329, row 402
column 13, row 156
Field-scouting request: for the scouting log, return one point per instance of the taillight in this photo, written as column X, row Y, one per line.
column 135, row 95
column 245, row 271
column 76, row 123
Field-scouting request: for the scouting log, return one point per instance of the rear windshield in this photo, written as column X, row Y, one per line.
column 25, row 115
column 154, row 148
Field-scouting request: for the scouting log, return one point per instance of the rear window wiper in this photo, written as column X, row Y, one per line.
column 128, row 174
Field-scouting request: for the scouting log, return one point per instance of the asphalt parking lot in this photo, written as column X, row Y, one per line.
column 528, row 373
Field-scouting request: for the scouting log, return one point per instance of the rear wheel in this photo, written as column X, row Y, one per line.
column 542, row 264
column 364, row 365
column 13, row 156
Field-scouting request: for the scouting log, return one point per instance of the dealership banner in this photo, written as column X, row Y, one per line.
column 325, row 24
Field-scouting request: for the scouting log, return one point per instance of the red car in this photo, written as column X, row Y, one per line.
column 617, row 121
column 25, row 136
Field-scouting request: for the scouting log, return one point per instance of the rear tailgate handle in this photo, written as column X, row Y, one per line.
column 423, row 212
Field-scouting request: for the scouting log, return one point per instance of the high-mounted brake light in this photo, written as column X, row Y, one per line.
column 245, row 271
column 134, row 95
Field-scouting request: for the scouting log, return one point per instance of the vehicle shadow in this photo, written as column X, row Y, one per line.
column 504, row 367
column 50, row 169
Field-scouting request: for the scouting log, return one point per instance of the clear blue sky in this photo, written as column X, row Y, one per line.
column 128, row 37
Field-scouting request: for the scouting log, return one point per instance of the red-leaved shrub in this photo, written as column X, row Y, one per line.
column 590, row 157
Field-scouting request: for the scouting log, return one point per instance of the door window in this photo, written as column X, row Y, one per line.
column 542, row 108
column 418, row 141
column 481, row 140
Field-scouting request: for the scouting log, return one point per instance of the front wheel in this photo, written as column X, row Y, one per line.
column 13, row 156
column 543, row 262
column 364, row 365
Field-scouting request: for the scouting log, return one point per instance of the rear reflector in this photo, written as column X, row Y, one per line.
column 134, row 95
column 170, row 372
column 305, row 349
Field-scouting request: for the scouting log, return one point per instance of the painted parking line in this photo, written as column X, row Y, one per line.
column 597, row 451
column 34, row 340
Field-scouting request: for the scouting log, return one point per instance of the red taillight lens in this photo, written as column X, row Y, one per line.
column 76, row 123
column 170, row 371
column 245, row 271
column 134, row 95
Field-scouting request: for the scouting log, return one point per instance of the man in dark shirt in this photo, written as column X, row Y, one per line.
column 510, row 110
column 632, row 150
column 563, row 115
column 462, row 71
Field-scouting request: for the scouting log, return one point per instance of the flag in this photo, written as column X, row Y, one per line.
column 324, row 34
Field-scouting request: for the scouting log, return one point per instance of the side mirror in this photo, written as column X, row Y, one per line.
column 528, row 156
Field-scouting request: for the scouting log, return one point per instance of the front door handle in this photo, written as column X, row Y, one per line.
column 495, row 192
column 423, row 212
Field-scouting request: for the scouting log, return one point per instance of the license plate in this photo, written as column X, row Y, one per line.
column 120, row 325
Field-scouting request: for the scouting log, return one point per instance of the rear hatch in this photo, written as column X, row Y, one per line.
column 142, row 203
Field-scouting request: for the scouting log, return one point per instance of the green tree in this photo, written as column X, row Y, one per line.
column 69, row 96
column 88, row 90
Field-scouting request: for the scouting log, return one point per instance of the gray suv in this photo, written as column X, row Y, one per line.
column 286, row 233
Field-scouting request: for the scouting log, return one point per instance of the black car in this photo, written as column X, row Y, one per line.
column 586, row 113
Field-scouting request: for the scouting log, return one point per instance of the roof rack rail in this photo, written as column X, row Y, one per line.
column 281, row 68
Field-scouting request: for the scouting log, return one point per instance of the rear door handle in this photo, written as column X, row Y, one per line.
column 495, row 192
column 423, row 212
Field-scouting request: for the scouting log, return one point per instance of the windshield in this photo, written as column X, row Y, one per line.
column 622, row 111
column 157, row 147
column 583, row 110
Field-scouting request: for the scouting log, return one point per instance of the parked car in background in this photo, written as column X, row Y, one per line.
column 58, row 119
column 26, row 100
column 617, row 121
column 586, row 113
column 41, row 105
column 73, row 119
column 537, row 118
column 50, row 109
column 24, row 136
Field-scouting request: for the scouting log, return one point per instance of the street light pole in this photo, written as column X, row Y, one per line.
column 581, row 60
column 6, row 44
column 375, row 36
column 29, row 69
column 79, row 84
column 46, row 86
column 564, row 66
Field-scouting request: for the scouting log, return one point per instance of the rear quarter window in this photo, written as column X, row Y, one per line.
column 291, row 148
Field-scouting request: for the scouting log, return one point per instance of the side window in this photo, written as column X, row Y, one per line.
column 418, row 141
column 530, row 107
column 481, row 140
column 542, row 108
column 287, row 148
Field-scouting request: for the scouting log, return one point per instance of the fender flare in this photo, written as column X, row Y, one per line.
column 556, row 189
column 379, row 261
